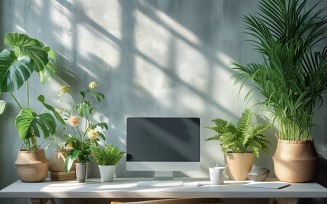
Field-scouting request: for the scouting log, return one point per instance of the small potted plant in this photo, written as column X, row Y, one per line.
column 107, row 158
column 240, row 143
column 58, row 158
column 84, row 134
column 26, row 57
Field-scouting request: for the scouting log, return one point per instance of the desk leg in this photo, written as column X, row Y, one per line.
column 42, row 200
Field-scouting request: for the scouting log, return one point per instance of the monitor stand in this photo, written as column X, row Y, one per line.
column 163, row 175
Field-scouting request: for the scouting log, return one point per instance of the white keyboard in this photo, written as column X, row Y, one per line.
column 170, row 183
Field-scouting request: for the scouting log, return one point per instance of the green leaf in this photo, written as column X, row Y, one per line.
column 244, row 122
column 48, row 72
column 70, row 158
column 24, row 45
column 84, row 108
column 52, row 109
column 14, row 72
column 40, row 54
column 3, row 105
column 28, row 124
column 23, row 123
column 98, row 96
column 102, row 125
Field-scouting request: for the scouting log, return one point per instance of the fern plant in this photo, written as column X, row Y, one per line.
column 240, row 138
column 293, row 75
column 109, row 155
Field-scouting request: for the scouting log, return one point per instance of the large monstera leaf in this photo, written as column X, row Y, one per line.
column 28, row 55
column 29, row 124
column 14, row 71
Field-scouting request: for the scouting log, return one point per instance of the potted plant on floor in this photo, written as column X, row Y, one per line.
column 86, row 133
column 29, row 56
column 240, row 143
column 291, row 79
column 107, row 158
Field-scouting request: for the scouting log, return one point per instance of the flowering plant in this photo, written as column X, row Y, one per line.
column 80, row 141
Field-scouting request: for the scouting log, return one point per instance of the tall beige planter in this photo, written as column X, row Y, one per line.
column 32, row 166
column 295, row 161
column 240, row 164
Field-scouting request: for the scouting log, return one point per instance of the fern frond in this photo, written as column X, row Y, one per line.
column 216, row 137
column 244, row 122
column 260, row 128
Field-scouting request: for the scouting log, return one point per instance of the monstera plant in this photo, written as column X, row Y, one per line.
column 26, row 57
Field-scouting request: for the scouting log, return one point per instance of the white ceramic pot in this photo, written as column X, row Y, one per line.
column 107, row 172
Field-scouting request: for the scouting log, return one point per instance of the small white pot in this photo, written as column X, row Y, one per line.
column 107, row 172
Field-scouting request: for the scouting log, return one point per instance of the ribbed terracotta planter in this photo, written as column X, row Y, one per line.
column 240, row 164
column 32, row 166
column 295, row 161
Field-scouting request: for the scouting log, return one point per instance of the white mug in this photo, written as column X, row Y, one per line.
column 217, row 175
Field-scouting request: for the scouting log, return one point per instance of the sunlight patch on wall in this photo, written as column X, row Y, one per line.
column 20, row 29
column 66, row 30
column 178, row 28
column 36, row 6
column 224, row 60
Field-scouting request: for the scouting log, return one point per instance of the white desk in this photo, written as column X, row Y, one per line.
column 126, row 188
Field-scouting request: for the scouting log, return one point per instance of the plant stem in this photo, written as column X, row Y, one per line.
column 79, row 132
column 27, row 94
column 12, row 95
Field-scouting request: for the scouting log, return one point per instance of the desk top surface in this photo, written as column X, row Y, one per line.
column 127, row 188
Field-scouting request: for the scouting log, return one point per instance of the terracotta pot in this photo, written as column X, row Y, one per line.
column 57, row 161
column 32, row 166
column 295, row 161
column 240, row 164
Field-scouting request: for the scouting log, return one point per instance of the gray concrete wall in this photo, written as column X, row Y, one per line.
column 151, row 58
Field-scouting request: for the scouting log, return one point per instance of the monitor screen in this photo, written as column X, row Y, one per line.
column 163, row 144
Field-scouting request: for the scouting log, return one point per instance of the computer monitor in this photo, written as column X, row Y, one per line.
column 163, row 144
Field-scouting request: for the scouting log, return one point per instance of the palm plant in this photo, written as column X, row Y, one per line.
column 27, row 56
column 293, row 74
column 243, row 138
